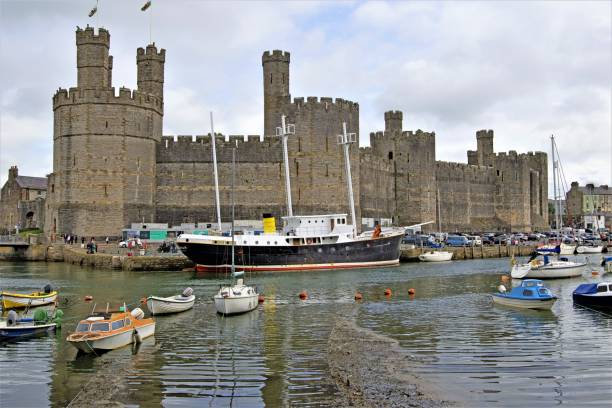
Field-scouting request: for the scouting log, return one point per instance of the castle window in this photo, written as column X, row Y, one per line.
column 283, row 78
column 107, row 123
column 52, row 188
column 390, row 155
column 408, row 157
column 105, row 191
column 73, row 160
column 270, row 78
column 497, row 173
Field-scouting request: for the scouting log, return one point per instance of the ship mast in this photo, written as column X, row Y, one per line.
column 284, row 131
column 555, row 196
column 233, row 206
column 215, row 172
column 345, row 139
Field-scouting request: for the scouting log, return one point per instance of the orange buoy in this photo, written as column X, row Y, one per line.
column 143, row 300
column 303, row 295
column 505, row 278
column 261, row 298
column 88, row 298
column 358, row 296
column 411, row 291
column 595, row 273
column 387, row 292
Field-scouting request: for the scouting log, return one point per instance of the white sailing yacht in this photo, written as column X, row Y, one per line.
column 235, row 298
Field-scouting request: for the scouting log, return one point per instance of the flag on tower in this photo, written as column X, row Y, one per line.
column 146, row 6
column 93, row 11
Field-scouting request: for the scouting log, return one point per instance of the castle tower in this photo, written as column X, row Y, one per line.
column 151, row 70
column 393, row 121
column 484, row 147
column 276, row 88
column 104, row 144
column 94, row 65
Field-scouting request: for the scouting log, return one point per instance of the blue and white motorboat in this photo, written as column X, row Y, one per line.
column 14, row 327
column 547, row 268
column 530, row 294
column 594, row 295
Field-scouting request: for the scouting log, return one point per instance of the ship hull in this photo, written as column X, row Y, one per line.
column 382, row 251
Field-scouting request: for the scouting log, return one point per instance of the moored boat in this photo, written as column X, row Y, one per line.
column 109, row 330
column 530, row 294
column 547, row 269
column 594, row 295
column 14, row 327
column 589, row 249
column 21, row 300
column 173, row 304
column 555, row 248
column 436, row 256
column 236, row 299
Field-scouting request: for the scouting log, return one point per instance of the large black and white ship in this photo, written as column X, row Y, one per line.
column 304, row 242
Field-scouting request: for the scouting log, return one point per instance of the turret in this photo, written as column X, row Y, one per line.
column 276, row 88
column 94, row 65
column 13, row 173
column 393, row 121
column 484, row 147
column 151, row 70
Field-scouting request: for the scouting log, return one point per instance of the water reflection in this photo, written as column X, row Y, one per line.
column 276, row 356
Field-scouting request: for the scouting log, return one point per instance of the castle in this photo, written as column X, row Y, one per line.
column 112, row 166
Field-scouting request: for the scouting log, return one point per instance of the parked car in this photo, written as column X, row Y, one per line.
column 457, row 240
column 418, row 240
column 501, row 239
column 130, row 243
column 474, row 240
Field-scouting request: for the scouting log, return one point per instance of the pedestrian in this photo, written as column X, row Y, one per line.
column 106, row 240
column 83, row 240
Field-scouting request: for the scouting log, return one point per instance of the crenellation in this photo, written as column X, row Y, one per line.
column 89, row 35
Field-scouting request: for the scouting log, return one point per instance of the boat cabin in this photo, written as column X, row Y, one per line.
column 317, row 225
column 104, row 322
column 531, row 289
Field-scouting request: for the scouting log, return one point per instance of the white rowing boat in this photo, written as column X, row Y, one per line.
column 173, row 304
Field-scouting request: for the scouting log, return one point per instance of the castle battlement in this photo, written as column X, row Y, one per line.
column 326, row 103
column 77, row 96
column 89, row 36
column 275, row 56
column 189, row 148
column 480, row 134
column 150, row 53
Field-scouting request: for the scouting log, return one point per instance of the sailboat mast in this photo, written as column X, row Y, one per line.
column 215, row 172
column 554, row 167
column 284, row 131
column 345, row 139
column 233, row 214
column 439, row 213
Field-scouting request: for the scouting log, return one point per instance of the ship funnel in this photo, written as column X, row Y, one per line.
column 269, row 223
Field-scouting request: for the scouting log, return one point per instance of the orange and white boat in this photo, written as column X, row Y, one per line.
column 110, row 330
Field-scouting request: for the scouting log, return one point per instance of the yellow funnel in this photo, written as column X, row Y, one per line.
column 269, row 224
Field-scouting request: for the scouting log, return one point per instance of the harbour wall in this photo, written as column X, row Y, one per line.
column 408, row 254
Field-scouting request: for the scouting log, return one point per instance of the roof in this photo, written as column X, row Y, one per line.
column 39, row 183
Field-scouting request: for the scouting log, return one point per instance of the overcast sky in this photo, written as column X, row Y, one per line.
column 525, row 69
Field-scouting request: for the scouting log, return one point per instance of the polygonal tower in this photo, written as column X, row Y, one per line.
column 104, row 143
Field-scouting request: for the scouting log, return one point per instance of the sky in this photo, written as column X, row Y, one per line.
column 527, row 70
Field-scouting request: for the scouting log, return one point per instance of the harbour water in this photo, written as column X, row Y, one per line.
column 474, row 352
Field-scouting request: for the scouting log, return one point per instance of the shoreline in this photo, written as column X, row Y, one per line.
column 372, row 370
column 74, row 254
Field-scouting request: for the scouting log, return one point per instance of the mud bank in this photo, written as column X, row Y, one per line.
column 372, row 370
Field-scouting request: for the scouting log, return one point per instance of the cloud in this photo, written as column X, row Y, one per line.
column 524, row 69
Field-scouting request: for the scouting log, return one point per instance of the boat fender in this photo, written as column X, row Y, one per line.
column 137, row 313
column 187, row 292
column 136, row 339
column 88, row 298
column 261, row 298
column 411, row 291
column 48, row 288
column 501, row 288
column 11, row 319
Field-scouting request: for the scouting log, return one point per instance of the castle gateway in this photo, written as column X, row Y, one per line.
column 112, row 166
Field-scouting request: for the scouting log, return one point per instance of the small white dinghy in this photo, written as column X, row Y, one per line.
column 173, row 304
column 588, row 249
column 236, row 299
column 436, row 256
